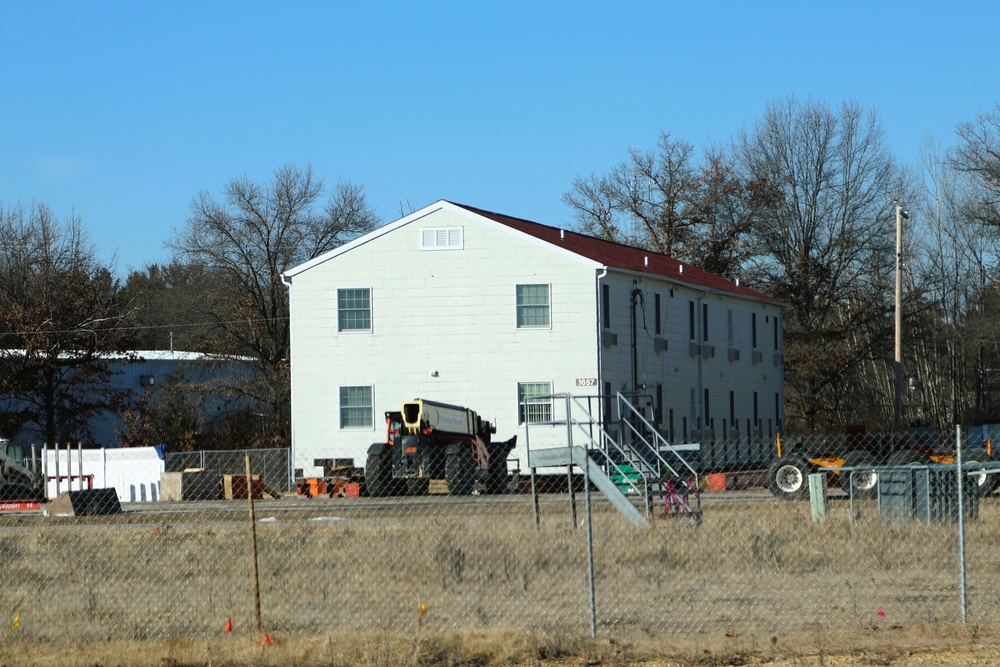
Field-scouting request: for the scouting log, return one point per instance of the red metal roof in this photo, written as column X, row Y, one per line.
column 615, row 255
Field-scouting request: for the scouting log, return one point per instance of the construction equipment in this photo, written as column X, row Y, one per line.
column 846, row 459
column 17, row 481
column 428, row 440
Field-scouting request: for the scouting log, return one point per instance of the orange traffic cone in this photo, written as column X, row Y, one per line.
column 229, row 625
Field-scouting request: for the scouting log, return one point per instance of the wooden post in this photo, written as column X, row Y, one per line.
column 817, row 495
column 253, row 547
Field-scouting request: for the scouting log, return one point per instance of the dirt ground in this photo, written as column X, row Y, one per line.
column 947, row 648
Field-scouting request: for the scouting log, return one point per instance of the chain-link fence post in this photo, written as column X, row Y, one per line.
column 963, row 599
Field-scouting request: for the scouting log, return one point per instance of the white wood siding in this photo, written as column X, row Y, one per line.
column 450, row 311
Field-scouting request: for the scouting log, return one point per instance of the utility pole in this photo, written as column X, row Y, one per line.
column 901, row 214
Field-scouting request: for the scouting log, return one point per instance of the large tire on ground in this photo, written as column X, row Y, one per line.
column 378, row 475
column 460, row 472
column 865, row 482
column 788, row 477
column 417, row 487
column 496, row 475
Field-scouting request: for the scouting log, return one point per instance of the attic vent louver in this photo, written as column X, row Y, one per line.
column 442, row 238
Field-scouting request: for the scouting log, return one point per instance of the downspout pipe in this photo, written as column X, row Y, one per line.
column 287, row 282
column 636, row 297
column 599, row 324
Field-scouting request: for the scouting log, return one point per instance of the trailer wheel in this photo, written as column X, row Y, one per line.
column 865, row 481
column 787, row 477
column 460, row 472
column 417, row 487
column 985, row 483
column 378, row 475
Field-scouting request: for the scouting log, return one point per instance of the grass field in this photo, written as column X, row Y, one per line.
column 480, row 584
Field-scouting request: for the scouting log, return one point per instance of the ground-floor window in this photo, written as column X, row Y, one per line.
column 356, row 407
column 530, row 406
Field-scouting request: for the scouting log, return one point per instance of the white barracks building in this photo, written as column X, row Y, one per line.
column 478, row 309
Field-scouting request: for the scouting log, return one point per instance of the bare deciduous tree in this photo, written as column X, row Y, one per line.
column 59, row 313
column 978, row 154
column 670, row 203
column 824, row 244
column 248, row 240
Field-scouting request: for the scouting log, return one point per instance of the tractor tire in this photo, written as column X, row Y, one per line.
column 865, row 481
column 417, row 487
column 788, row 477
column 460, row 472
column 378, row 475
column 496, row 475
column 905, row 457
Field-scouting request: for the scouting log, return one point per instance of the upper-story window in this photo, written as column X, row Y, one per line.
column 442, row 238
column 354, row 309
column 532, row 306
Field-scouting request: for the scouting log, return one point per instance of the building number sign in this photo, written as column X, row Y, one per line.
column 586, row 382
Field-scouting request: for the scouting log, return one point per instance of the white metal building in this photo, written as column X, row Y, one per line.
column 460, row 305
column 137, row 374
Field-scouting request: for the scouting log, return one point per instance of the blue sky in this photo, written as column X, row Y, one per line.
column 122, row 111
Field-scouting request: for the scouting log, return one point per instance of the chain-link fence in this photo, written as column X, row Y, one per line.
column 738, row 553
column 273, row 465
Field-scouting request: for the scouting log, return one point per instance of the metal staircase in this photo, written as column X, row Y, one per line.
column 639, row 463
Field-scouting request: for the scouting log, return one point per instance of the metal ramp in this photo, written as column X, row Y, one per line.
column 577, row 456
column 640, row 463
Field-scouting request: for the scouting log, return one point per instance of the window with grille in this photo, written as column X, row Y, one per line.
column 356, row 407
column 354, row 309
column 530, row 406
column 532, row 306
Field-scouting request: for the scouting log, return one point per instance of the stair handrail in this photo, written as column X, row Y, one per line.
column 654, row 448
column 593, row 445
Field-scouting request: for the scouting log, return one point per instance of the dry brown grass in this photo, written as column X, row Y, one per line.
column 945, row 645
column 341, row 585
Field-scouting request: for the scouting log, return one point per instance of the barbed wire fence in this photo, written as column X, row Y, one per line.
column 904, row 546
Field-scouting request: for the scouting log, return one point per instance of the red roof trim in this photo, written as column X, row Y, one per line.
column 618, row 256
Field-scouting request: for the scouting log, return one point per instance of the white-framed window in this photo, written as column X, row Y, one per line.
column 356, row 409
column 442, row 238
column 529, row 407
column 533, row 306
column 354, row 309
